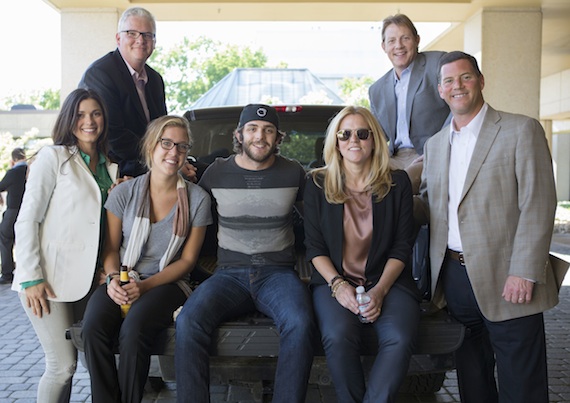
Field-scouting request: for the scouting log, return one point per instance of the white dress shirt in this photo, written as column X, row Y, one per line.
column 462, row 146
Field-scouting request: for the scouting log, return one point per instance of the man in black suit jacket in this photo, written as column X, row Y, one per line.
column 14, row 182
column 133, row 92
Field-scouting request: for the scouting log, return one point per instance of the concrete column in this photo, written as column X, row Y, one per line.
column 507, row 45
column 555, row 96
column 561, row 145
column 547, row 125
column 86, row 35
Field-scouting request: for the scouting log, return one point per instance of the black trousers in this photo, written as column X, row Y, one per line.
column 516, row 346
column 7, row 240
column 103, row 328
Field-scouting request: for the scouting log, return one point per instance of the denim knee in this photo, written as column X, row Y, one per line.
column 339, row 335
column 300, row 323
column 186, row 325
column 183, row 323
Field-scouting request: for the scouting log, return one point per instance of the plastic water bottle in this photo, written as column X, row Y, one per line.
column 363, row 300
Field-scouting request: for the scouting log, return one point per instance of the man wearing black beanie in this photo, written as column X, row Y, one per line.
column 254, row 192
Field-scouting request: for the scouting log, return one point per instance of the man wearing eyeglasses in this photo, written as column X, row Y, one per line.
column 405, row 100
column 133, row 92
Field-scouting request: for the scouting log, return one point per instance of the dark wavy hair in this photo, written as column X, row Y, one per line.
column 62, row 133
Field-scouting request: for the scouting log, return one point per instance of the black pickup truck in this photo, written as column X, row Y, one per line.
column 252, row 342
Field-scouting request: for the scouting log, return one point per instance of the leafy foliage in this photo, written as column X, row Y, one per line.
column 44, row 99
column 355, row 90
column 299, row 146
column 30, row 142
column 190, row 68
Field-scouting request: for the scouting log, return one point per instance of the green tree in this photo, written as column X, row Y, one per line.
column 29, row 141
column 190, row 68
column 299, row 146
column 49, row 99
column 44, row 99
column 355, row 90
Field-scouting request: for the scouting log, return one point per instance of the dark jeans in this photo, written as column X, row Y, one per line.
column 103, row 326
column 7, row 240
column 396, row 329
column 275, row 291
column 518, row 346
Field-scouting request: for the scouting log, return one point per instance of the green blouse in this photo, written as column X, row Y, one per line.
column 104, row 182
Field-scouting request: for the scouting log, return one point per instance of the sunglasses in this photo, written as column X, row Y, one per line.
column 362, row 134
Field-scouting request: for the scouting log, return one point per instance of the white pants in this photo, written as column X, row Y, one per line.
column 60, row 354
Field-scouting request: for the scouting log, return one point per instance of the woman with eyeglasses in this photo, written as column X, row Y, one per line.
column 156, row 226
column 358, row 232
column 59, row 231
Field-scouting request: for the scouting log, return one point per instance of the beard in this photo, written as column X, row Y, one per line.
column 255, row 154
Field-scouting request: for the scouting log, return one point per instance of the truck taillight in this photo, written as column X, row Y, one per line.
column 283, row 108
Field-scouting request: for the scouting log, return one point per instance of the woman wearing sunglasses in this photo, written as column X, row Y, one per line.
column 358, row 232
column 156, row 226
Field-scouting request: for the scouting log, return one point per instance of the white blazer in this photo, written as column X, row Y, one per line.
column 58, row 226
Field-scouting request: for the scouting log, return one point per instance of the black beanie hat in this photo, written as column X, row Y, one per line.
column 258, row 112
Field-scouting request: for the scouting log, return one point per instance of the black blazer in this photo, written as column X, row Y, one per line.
column 14, row 182
column 392, row 231
column 110, row 77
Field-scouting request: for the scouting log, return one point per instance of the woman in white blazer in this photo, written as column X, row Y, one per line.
column 59, row 230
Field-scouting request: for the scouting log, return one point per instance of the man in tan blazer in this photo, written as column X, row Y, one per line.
column 488, row 190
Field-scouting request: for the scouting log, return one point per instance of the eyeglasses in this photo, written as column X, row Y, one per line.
column 169, row 145
column 362, row 134
column 147, row 36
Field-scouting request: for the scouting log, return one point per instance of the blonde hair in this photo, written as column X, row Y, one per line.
column 154, row 132
column 332, row 174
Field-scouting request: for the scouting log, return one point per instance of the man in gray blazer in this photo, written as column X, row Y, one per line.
column 405, row 100
column 488, row 189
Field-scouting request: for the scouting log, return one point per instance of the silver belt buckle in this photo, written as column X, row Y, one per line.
column 461, row 258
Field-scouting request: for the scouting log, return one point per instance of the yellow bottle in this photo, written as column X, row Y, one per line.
column 124, row 279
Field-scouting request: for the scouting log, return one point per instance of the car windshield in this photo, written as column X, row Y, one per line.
column 305, row 132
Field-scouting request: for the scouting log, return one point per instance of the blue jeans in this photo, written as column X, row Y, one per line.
column 395, row 329
column 275, row 291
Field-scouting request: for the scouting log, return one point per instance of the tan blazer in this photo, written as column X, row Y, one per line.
column 58, row 226
column 506, row 214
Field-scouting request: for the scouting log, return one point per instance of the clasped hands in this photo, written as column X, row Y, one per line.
column 346, row 296
column 126, row 294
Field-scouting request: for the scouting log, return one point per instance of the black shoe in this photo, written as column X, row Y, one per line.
column 6, row 278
